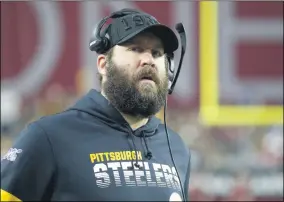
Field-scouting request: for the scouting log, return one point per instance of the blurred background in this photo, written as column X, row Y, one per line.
column 46, row 66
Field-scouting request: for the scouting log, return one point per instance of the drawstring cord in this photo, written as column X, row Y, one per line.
column 135, row 148
column 136, row 159
column 148, row 154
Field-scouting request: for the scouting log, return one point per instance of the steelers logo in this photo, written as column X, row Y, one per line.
column 175, row 197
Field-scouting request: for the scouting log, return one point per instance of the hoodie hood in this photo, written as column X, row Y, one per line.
column 91, row 139
column 97, row 105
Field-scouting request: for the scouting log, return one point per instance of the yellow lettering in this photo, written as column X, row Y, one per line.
column 92, row 157
column 128, row 155
column 133, row 155
column 123, row 156
column 97, row 157
column 112, row 156
column 101, row 156
column 139, row 155
column 6, row 196
column 117, row 156
column 106, row 155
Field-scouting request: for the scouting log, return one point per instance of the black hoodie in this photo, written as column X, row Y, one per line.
column 89, row 152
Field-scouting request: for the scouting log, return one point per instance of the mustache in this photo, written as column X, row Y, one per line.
column 148, row 73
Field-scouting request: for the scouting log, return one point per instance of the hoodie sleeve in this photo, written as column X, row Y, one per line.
column 186, row 185
column 28, row 167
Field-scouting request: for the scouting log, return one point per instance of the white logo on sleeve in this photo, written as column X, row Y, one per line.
column 12, row 154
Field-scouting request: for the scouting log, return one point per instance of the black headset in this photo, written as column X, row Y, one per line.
column 101, row 44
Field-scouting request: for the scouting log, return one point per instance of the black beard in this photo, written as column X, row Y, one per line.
column 124, row 94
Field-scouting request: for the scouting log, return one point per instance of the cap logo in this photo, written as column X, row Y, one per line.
column 137, row 20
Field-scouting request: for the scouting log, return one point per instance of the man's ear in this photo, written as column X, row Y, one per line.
column 101, row 64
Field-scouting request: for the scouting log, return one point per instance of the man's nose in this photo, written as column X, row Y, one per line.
column 147, row 59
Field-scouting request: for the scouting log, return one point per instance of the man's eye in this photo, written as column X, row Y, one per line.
column 136, row 49
column 157, row 53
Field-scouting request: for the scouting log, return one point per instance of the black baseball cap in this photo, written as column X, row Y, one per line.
column 126, row 27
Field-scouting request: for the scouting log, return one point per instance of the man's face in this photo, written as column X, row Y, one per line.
column 136, row 80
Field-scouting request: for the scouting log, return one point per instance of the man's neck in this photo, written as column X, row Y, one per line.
column 134, row 122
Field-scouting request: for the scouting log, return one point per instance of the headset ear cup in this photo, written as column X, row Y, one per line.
column 95, row 44
column 100, row 45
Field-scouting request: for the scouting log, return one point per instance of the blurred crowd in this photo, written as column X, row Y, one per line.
column 227, row 163
column 232, row 163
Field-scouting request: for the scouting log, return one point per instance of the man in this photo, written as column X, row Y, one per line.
column 109, row 145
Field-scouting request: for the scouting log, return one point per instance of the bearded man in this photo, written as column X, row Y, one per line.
column 109, row 146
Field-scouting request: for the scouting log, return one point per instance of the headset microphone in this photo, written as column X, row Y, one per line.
column 180, row 29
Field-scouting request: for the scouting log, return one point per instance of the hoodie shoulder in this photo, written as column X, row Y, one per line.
column 176, row 138
column 55, row 119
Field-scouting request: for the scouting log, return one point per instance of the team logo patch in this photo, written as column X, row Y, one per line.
column 12, row 154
